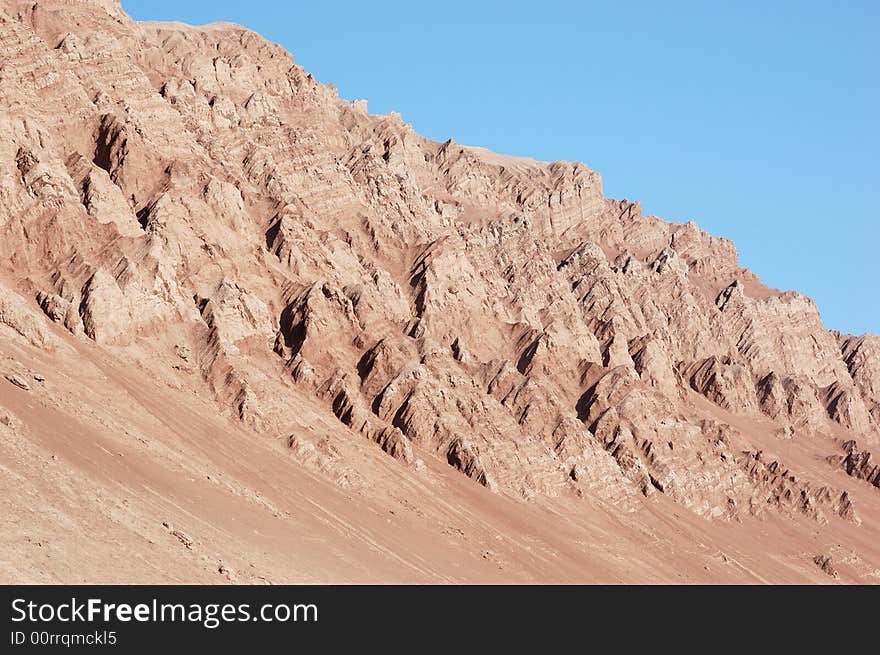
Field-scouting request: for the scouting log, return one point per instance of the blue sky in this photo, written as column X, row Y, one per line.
column 759, row 120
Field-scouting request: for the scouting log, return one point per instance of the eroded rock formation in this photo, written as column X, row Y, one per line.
column 170, row 189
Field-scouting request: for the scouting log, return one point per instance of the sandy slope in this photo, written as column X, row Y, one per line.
column 105, row 457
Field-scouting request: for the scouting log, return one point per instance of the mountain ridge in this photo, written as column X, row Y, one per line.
column 191, row 204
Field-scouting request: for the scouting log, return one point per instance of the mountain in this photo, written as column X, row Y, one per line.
column 251, row 332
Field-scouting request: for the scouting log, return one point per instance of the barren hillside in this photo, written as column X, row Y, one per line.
column 250, row 332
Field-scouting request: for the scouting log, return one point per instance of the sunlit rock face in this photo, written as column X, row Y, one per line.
column 192, row 198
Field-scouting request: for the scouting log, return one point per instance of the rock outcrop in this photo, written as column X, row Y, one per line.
column 17, row 315
column 192, row 195
column 859, row 463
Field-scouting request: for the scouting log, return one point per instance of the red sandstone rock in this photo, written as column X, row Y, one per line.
column 331, row 274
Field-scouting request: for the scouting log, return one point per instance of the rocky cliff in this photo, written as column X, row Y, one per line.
column 193, row 205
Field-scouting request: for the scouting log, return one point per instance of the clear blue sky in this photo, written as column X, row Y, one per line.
column 759, row 120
